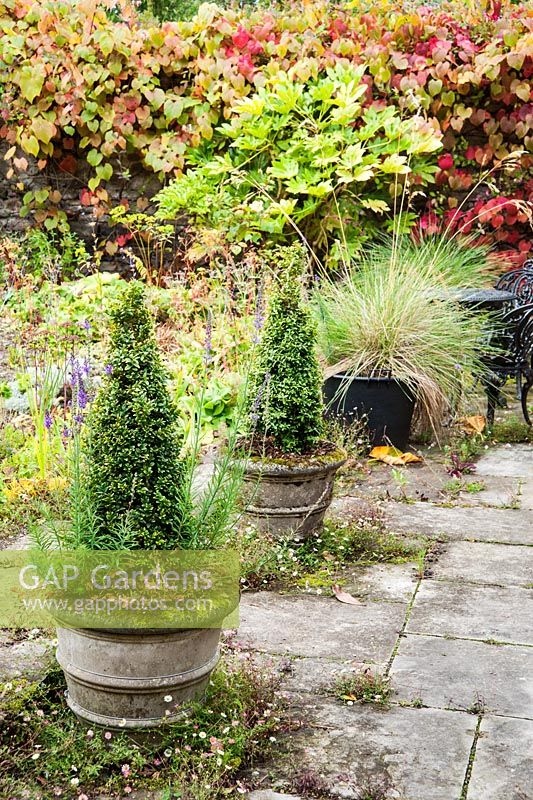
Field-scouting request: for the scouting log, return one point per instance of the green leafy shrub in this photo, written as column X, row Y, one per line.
column 285, row 386
column 45, row 255
column 298, row 148
column 134, row 472
column 468, row 69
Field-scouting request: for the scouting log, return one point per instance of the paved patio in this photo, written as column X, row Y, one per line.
column 456, row 643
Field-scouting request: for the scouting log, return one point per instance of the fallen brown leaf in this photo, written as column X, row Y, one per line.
column 345, row 597
column 473, row 425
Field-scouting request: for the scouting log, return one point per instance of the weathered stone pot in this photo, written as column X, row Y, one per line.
column 134, row 679
column 285, row 498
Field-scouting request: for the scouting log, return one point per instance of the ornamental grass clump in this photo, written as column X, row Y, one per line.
column 135, row 477
column 394, row 314
column 285, row 386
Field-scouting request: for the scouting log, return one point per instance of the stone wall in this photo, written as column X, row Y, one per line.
column 130, row 180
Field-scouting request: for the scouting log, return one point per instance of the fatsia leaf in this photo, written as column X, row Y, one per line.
column 284, row 168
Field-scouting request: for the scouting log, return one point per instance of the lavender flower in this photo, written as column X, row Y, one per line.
column 47, row 420
column 208, row 346
column 86, row 325
column 79, row 373
column 254, row 411
column 259, row 319
column 108, row 369
column 82, row 398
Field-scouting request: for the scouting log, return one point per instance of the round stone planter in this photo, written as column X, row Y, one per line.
column 284, row 498
column 134, row 679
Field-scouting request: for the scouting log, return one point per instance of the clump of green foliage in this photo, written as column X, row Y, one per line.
column 45, row 752
column 366, row 686
column 45, row 255
column 134, row 472
column 285, row 386
column 320, row 559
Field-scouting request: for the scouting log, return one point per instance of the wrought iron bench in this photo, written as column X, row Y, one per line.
column 514, row 341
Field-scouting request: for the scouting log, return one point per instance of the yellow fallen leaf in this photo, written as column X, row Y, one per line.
column 473, row 425
column 393, row 456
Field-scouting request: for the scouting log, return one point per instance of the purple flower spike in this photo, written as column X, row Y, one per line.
column 75, row 373
column 259, row 319
column 82, row 398
column 47, row 420
column 208, row 347
column 254, row 415
column 108, row 369
column 86, row 325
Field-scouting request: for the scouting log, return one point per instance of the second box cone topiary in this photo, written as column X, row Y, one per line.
column 290, row 473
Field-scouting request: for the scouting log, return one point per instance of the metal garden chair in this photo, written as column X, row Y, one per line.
column 514, row 341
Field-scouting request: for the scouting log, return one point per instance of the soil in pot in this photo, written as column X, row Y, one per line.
column 386, row 405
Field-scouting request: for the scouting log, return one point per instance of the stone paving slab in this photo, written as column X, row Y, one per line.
column 526, row 496
column 510, row 461
column 512, row 526
column 311, row 675
column 378, row 582
column 503, row 767
column 477, row 562
column 316, row 627
column 497, row 492
column 28, row 659
column 476, row 612
column 420, row 753
column 319, row 676
column 457, row 673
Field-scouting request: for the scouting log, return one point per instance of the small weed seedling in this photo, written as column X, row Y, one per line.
column 400, row 479
column 453, row 486
column 366, row 686
column 474, row 487
column 478, row 706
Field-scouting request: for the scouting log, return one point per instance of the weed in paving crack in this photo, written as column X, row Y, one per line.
column 416, row 702
column 478, row 705
column 310, row 783
column 510, row 431
column 474, row 487
column 362, row 539
column 366, row 686
column 375, row 789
